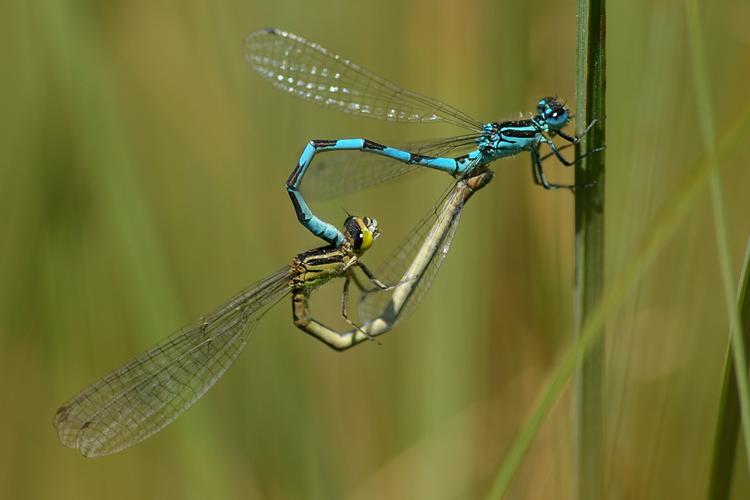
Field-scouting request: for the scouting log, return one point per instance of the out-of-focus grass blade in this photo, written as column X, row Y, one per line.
column 728, row 423
column 736, row 403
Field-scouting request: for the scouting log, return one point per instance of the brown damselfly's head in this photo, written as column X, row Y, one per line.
column 360, row 232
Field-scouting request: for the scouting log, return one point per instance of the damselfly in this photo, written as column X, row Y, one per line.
column 143, row 396
column 311, row 72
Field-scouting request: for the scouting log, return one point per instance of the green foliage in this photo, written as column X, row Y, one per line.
column 141, row 185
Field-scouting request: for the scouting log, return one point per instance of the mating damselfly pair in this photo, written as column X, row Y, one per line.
column 146, row 394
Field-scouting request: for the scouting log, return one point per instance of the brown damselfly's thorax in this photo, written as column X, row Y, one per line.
column 315, row 267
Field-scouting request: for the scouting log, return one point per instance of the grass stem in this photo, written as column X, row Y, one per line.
column 588, row 391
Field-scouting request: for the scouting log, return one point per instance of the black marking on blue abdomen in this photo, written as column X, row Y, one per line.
column 323, row 143
column 416, row 158
column 297, row 207
column 368, row 144
column 292, row 180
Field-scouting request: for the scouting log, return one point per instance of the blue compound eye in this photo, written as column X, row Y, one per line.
column 542, row 105
column 553, row 112
column 557, row 117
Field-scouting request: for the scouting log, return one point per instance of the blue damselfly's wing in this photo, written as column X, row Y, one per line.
column 400, row 265
column 310, row 72
column 335, row 173
column 143, row 396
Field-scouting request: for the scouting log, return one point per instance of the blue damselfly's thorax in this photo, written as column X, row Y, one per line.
column 499, row 139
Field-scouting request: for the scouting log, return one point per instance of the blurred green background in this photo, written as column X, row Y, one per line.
column 142, row 166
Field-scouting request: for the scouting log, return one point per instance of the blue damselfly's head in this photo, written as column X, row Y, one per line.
column 553, row 112
column 361, row 232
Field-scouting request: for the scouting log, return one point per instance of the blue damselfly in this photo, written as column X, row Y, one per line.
column 311, row 72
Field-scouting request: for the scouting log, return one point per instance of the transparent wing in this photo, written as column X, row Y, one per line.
column 335, row 173
column 310, row 72
column 143, row 396
column 414, row 263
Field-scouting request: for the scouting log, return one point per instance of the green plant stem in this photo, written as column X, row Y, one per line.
column 588, row 391
column 656, row 237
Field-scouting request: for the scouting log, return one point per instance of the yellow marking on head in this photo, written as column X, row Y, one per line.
column 367, row 238
column 361, row 232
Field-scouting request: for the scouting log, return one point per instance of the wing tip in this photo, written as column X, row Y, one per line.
column 263, row 32
column 74, row 437
column 270, row 31
column 61, row 415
